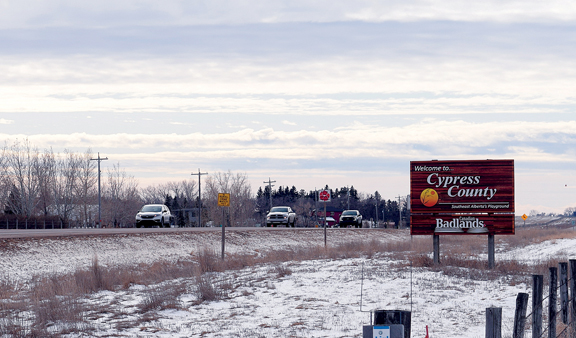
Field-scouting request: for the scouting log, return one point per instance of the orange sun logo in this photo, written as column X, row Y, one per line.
column 429, row 197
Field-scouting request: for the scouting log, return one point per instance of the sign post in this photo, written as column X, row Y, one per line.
column 223, row 201
column 524, row 217
column 325, row 197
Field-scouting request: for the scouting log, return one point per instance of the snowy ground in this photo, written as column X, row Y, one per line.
column 319, row 298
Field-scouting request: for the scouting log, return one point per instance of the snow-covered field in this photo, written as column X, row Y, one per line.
column 315, row 298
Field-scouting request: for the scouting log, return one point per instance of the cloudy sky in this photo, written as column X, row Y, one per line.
column 306, row 93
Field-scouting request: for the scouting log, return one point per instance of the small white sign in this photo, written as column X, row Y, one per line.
column 381, row 332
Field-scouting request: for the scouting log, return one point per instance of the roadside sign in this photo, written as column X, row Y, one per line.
column 324, row 195
column 462, row 197
column 524, row 217
column 223, row 200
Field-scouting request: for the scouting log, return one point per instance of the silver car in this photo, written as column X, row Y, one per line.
column 153, row 215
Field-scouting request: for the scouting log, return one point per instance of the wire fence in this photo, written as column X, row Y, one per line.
column 560, row 321
column 40, row 222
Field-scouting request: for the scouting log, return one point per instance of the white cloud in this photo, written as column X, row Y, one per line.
column 107, row 13
column 454, row 87
column 421, row 139
column 288, row 123
column 5, row 121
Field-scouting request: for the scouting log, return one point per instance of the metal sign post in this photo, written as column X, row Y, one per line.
column 223, row 201
column 325, row 197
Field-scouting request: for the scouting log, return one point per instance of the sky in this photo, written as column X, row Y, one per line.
column 304, row 93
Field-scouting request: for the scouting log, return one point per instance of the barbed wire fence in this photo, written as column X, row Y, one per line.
column 559, row 322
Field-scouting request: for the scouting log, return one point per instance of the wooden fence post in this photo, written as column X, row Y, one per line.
column 564, row 290
column 537, row 290
column 573, row 300
column 436, row 240
column 491, row 252
column 494, row 322
column 520, row 315
column 552, row 301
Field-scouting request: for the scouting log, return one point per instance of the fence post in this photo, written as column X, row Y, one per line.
column 436, row 242
column 537, row 290
column 494, row 322
column 520, row 315
column 564, row 291
column 16, row 223
column 572, row 295
column 553, row 299
column 491, row 251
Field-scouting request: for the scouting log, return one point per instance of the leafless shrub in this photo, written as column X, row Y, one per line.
column 209, row 261
column 281, row 270
column 240, row 261
column 161, row 298
column 14, row 327
column 65, row 313
column 8, row 288
column 207, row 290
column 421, row 261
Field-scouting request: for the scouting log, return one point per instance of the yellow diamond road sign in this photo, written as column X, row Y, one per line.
column 223, row 200
column 524, row 217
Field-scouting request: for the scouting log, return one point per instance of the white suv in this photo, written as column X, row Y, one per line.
column 153, row 215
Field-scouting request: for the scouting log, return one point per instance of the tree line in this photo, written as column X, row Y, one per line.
column 306, row 203
column 38, row 185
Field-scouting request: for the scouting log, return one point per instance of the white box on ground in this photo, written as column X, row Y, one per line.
column 381, row 332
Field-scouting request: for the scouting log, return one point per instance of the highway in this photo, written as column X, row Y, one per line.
column 39, row 233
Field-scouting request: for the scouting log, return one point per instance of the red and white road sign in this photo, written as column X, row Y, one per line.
column 324, row 195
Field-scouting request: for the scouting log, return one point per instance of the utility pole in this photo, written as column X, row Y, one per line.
column 399, row 211
column 270, row 185
column 348, row 196
column 199, row 197
column 99, row 159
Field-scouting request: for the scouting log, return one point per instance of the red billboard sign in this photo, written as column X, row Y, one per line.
column 460, row 189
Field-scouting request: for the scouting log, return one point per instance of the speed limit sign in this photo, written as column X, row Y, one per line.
column 324, row 195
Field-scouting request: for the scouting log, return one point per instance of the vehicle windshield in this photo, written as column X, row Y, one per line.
column 151, row 208
column 279, row 209
column 349, row 213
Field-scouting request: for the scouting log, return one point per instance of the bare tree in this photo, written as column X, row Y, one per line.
column 65, row 185
column 121, row 197
column 157, row 193
column 46, row 178
column 21, row 171
column 242, row 203
column 86, row 189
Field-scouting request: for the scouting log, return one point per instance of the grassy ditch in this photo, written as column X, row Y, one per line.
column 53, row 305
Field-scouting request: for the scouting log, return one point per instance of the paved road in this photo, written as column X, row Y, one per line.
column 31, row 233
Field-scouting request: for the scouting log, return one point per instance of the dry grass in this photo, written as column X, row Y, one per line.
column 208, row 290
column 56, row 301
column 162, row 298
